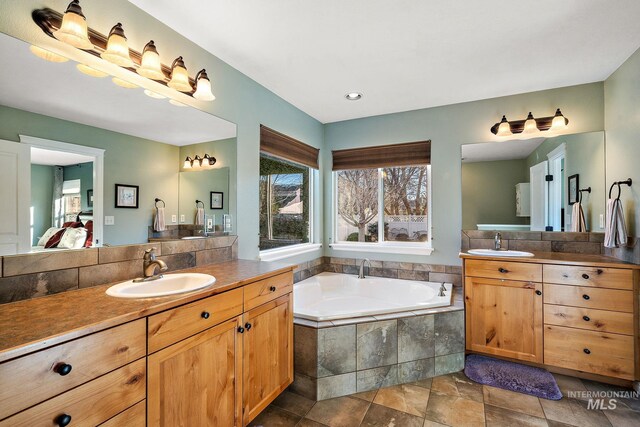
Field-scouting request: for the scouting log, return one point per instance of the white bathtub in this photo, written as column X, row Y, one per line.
column 332, row 296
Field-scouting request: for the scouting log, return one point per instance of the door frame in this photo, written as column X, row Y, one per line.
column 21, row 240
column 556, row 202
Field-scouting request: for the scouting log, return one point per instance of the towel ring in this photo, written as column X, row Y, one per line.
column 197, row 202
column 588, row 190
column 619, row 183
column 164, row 205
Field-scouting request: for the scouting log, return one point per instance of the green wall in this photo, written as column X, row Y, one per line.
column 41, row 198
column 83, row 172
column 489, row 192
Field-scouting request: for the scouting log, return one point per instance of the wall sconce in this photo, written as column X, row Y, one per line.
column 199, row 162
column 530, row 125
column 71, row 28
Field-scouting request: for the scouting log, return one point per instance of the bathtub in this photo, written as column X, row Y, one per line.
column 333, row 296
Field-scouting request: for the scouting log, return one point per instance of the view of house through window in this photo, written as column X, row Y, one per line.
column 284, row 203
column 395, row 199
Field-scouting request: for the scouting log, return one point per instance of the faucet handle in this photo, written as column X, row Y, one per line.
column 150, row 254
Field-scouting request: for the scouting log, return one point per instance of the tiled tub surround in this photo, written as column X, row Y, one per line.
column 33, row 275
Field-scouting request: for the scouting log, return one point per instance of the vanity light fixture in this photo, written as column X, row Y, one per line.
column 47, row 55
column 150, row 66
column 73, row 29
column 179, row 76
column 530, row 125
column 117, row 48
column 188, row 163
column 353, row 96
column 198, row 161
column 152, row 94
column 123, row 83
column 85, row 69
column 203, row 87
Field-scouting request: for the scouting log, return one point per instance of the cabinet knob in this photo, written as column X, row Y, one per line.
column 538, row 292
column 585, row 296
column 241, row 329
column 247, row 326
column 63, row 420
column 272, row 288
column 586, row 318
column 503, row 270
column 599, row 271
column 63, row 369
column 205, row 315
column 585, row 276
column 587, row 351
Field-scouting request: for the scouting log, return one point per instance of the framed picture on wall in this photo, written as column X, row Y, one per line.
column 574, row 185
column 90, row 198
column 217, row 200
column 127, row 196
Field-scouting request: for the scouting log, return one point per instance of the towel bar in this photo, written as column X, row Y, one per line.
column 619, row 183
column 164, row 205
column 198, row 202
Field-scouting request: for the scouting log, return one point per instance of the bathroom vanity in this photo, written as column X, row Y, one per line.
column 217, row 356
column 565, row 311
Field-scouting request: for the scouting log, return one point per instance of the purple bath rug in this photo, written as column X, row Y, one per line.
column 512, row 376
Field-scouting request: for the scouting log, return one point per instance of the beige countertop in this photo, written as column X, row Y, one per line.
column 561, row 258
column 27, row 326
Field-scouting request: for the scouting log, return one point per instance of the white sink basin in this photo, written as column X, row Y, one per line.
column 169, row 284
column 493, row 252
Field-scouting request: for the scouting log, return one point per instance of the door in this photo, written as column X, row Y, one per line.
column 196, row 382
column 268, row 354
column 504, row 318
column 15, row 193
column 539, row 195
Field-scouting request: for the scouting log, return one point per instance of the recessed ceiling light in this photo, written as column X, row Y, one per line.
column 353, row 96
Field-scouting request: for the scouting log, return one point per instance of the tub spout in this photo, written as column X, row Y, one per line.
column 361, row 273
column 442, row 290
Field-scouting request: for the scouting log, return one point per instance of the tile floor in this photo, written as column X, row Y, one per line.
column 449, row 400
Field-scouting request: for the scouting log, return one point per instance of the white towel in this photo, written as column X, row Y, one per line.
column 199, row 216
column 159, row 222
column 577, row 218
column 615, row 231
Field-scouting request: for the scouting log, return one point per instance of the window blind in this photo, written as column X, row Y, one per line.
column 280, row 145
column 383, row 156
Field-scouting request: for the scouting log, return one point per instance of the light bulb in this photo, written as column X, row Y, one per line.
column 47, row 55
column 179, row 76
column 530, row 126
column 203, row 87
column 117, row 48
column 73, row 29
column 150, row 66
column 85, row 69
column 504, row 129
column 559, row 122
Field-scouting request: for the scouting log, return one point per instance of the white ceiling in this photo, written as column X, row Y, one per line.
column 60, row 90
column 501, row 150
column 40, row 156
column 410, row 54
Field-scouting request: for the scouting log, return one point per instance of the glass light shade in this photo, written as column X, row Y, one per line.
column 73, row 29
column 124, row 83
column 85, row 69
column 176, row 103
column 203, row 87
column 179, row 77
column 208, row 160
column 197, row 161
column 504, row 129
column 150, row 66
column 117, row 48
column 558, row 122
column 152, row 94
column 187, row 163
column 530, row 126
column 47, row 55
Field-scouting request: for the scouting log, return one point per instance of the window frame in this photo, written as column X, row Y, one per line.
column 382, row 246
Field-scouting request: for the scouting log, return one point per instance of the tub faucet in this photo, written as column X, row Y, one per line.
column 361, row 274
column 151, row 264
column 442, row 290
column 497, row 241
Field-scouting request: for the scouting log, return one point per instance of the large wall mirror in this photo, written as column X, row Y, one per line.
column 77, row 148
column 535, row 184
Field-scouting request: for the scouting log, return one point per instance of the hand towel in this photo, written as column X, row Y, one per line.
column 577, row 218
column 199, row 216
column 159, row 222
column 615, row 231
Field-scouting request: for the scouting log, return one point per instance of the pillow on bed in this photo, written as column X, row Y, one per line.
column 89, row 227
column 73, row 238
column 47, row 235
column 72, row 224
column 55, row 239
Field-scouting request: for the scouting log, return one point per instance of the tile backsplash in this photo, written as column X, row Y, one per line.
column 536, row 241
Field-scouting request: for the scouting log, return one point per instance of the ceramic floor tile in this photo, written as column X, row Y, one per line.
column 406, row 398
column 381, row 416
column 275, row 417
column 339, row 412
column 513, row 401
column 429, row 423
column 293, row 403
column 622, row 416
column 500, row 417
column 569, row 384
column 426, row 383
column 573, row 412
column 633, row 403
column 454, row 411
column 305, row 422
column 457, row 384
column 366, row 395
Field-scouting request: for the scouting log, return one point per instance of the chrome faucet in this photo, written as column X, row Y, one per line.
column 441, row 292
column 151, row 264
column 497, row 241
column 361, row 274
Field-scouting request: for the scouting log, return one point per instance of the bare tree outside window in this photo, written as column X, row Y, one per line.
column 358, row 200
column 406, row 203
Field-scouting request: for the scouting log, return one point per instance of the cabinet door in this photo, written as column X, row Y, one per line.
column 504, row 318
column 195, row 382
column 268, row 354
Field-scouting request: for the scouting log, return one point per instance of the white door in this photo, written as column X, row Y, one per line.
column 15, row 193
column 539, row 195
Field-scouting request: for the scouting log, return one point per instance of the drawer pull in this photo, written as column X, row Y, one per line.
column 586, row 318
column 599, row 271
column 241, row 329
column 585, row 296
column 587, row 351
column 63, row 369
column 538, row 292
column 205, row 315
column 272, row 288
column 503, row 270
column 63, row 420
column 585, row 276
column 247, row 326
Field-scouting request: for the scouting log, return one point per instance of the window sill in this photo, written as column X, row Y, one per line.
column 386, row 248
column 288, row 251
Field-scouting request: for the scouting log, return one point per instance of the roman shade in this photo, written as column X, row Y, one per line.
column 280, row 145
column 383, row 156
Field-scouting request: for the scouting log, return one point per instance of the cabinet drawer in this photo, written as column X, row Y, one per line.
column 503, row 270
column 615, row 278
column 132, row 417
column 596, row 352
column 258, row 293
column 588, row 318
column 38, row 376
column 91, row 403
column 589, row 297
column 179, row 323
